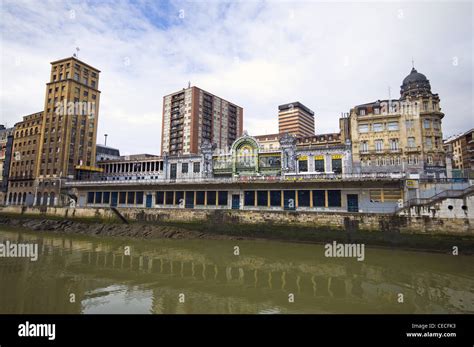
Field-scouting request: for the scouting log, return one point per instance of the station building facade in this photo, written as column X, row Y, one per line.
column 248, row 176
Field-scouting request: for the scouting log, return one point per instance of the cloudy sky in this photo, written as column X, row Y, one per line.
column 257, row 54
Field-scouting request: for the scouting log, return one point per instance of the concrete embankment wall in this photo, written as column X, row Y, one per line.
column 342, row 221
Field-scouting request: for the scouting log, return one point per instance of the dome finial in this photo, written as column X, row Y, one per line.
column 412, row 63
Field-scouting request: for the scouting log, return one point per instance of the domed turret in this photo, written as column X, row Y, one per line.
column 415, row 84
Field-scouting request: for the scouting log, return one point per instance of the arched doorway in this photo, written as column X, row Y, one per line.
column 51, row 199
column 45, row 199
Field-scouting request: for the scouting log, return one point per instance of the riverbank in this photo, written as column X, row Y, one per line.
column 225, row 231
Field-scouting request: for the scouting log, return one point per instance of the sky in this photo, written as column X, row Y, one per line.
column 330, row 56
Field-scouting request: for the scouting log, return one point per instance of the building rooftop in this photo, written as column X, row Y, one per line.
column 295, row 104
column 268, row 136
column 79, row 61
column 457, row 136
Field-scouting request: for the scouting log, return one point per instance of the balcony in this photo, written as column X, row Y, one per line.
column 286, row 178
column 412, row 149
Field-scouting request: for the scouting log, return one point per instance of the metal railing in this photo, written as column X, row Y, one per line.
column 297, row 177
column 445, row 194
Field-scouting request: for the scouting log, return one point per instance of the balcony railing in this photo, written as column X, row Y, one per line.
column 411, row 149
column 313, row 177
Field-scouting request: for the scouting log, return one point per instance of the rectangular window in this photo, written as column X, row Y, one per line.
column 139, row 198
column 392, row 194
column 394, row 144
column 319, row 164
column 428, row 142
column 160, row 198
column 211, row 198
column 379, row 145
column 90, row 197
column 184, row 168
column 364, row 147
column 334, row 198
column 122, row 197
column 249, row 198
column 411, row 142
column 196, row 167
column 362, row 112
column 289, row 199
column 169, row 198
column 200, row 197
column 375, row 195
column 363, row 128
column 106, row 198
column 275, row 198
column 303, row 198
column 130, row 198
column 392, row 126
column 179, row 198
column 302, row 165
column 319, row 199
column 337, row 165
column 222, row 198
column 262, row 198
column 426, row 123
column 377, row 127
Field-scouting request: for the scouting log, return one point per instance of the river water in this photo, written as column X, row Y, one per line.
column 108, row 275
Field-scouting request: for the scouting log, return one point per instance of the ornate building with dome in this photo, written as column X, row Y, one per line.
column 400, row 135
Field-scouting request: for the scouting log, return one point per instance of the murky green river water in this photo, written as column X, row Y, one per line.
column 204, row 276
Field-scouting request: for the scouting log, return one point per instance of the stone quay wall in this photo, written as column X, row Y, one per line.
column 318, row 220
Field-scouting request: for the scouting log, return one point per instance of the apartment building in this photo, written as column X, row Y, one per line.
column 22, row 173
column 400, row 135
column 193, row 116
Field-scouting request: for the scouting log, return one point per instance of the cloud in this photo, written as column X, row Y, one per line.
column 329, row 56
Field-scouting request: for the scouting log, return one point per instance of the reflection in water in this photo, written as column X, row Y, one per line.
column 214, row 280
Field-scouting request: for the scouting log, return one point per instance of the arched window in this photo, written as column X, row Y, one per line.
column 23, row 200
column 45, row 199
column 14, row 199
